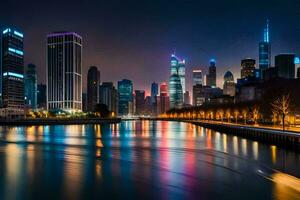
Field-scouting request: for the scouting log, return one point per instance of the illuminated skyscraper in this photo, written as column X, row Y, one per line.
column 31, row 87
column 93, row 81
column 175, row 90
column 212, row 74
column 247, row 68
column 265, row 52
column 197, row 77
column 154, row 91
column 178, row 67
column 64, row 71
column 12, row 70
column 125, row 95
column 139, row 102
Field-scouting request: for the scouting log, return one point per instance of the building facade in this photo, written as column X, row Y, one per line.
column 247, row 68
column 229, row 84
column 164, row 101
column 31, row 87
column 12, row 70
column 285, row 65
column 108, row 96
column 197, row 77
column 64, row 71
column 212, row 74
column 175, row 91
column 42, row 96
column 93, row 82
column 140, row 102
column 154, row 91
column 125, row 97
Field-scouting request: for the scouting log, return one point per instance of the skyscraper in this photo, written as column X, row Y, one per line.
column 175, row 90
column 125, row 90
column 285, row 65
column 31, row 87
column 247, row 68
column 64, row 71
column 139, row 102
column 265, row 52
column 229, row 84
column 108, row 96
column 93, row 81
column 212, row 74
column 12, row 70
column 164, row 98
column 178, row 67
column 154, row 91
column 197, row 77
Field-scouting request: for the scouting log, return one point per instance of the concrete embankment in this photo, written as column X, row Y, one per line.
column 57, row 121
column 286, row 139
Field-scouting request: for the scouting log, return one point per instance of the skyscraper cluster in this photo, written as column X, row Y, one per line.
column 20, row 91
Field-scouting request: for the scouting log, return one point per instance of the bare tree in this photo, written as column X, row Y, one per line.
column 245, row 114
column 236, row 115
column 281, row 106
column 255, row 113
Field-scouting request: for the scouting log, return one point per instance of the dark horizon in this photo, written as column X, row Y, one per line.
column 134, row 40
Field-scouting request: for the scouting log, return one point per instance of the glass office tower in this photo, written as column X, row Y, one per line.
column 64, row 71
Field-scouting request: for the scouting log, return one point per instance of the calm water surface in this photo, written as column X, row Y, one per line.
column 142, row 160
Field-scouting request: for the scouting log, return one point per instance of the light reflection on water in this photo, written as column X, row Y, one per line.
column 139, row 159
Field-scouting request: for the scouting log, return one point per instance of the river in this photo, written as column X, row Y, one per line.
column 142, row 160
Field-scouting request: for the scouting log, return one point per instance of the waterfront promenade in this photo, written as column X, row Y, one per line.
column 273, row 135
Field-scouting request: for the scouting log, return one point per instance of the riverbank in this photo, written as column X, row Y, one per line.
column 288, row 139
column 57, row 121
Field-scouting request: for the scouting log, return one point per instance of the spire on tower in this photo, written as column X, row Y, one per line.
column 266, row 32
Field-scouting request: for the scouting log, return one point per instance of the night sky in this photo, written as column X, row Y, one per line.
column 134, row 39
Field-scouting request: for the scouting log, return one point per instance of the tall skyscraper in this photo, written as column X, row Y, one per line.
column 41, row 96
column 285, row 65
column 175, row 90
column 139, row 102
column 125, row 95
column 12, row 70
column 265, row 52
column 93, row 81
column 197, row 77
column 229, row 84
column 212, row 74
column 31, row 87
column 108, row 96
column 247, row 68
column 178, row 67
column 64, row 71
column 154, row 91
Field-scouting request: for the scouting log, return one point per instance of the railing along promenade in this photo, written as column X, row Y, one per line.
column 267, row 134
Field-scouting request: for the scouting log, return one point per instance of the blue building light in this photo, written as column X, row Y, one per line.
column 15, row 51
column 6, row 31
column 18, row 34
column 13, row 74
column 297, row 60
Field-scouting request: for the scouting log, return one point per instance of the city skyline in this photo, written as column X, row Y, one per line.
column 144, row 51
